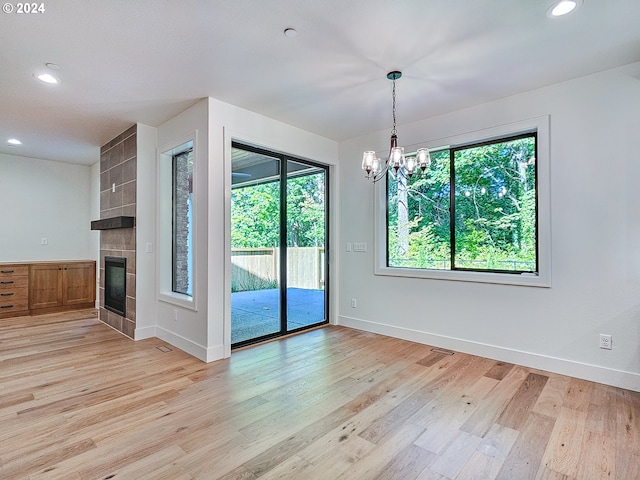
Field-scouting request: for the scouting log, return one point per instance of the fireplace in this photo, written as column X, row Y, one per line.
column 115, row 284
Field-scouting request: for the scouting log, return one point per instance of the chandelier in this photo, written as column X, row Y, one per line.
column 397, row 163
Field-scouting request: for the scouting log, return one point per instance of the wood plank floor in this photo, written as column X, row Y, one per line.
column 80, row 401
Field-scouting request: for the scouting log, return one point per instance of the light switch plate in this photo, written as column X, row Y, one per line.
column 359, row 247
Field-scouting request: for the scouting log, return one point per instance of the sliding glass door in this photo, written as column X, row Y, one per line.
column 255, row 245
column 306, row 232
column 279, row 245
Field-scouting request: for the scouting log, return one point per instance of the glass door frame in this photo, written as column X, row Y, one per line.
column 283, row 178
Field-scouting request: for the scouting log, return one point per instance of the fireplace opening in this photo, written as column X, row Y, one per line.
column 115, row 284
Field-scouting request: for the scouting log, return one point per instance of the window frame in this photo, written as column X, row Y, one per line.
column 542, row 278
column 453, row 206
column 165, row 219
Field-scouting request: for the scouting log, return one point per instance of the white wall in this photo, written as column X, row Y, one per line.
column 145, row 231
column 41, row 199
column 227, row 123
column 205, row 331
column 189, row 331
column 595, row 242
column 94, row 242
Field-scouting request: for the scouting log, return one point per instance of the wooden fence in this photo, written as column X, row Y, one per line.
column 258, row 268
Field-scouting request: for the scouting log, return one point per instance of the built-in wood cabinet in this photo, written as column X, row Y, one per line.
column 14, row 290
column 79, row 284
column 46, row 287
column 59, row 286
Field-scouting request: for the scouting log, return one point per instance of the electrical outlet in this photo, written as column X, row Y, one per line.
column 605, row 341
column 354, row 303
column 175, row 314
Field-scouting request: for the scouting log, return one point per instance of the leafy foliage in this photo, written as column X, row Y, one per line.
column 305, row 211
column 255, row 213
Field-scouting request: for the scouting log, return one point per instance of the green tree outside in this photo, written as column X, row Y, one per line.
column 255, row 213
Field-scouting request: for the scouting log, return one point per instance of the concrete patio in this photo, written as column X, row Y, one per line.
column 257, row 313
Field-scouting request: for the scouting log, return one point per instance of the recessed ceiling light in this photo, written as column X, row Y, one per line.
column 290, row 32
column 46, row 78
column 14, row 141
column 52, row 66
column 563, row 7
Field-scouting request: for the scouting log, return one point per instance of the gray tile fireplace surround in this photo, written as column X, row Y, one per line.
column 117, row 199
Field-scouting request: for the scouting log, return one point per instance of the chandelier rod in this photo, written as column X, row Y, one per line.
column 393, row 130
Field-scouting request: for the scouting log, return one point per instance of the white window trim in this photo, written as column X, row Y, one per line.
column 543, row 277
column 165, row 218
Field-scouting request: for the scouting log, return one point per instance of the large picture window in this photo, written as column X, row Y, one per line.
column 475, row 209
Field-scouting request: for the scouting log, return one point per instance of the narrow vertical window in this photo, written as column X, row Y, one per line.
column 182, row 225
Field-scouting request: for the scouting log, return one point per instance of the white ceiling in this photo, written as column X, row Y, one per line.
column 126, row 61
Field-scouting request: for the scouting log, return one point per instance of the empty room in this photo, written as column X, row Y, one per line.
column 381, row 239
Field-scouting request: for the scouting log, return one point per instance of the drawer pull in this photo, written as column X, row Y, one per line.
column 7, row 271
column 6, row 283
column 6, row 294
column 6, row 306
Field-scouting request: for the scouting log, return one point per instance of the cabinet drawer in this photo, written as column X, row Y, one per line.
column 11, row 290
column 11, row 283
column 13, row 294
column 10, row 304
column 14, row 271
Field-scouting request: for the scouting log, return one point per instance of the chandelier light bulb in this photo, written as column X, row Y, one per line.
column 367, row 161
column 397, row 158
column 375, row 167
column 423, row 158
column 410, row 164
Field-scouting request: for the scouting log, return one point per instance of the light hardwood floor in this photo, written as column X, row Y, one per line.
column 80, row 401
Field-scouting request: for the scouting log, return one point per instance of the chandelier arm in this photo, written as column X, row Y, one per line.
column 379, row 176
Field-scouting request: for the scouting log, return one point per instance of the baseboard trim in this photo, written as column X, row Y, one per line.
column 201, row 352
column 145, row 332
column 585, row 371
